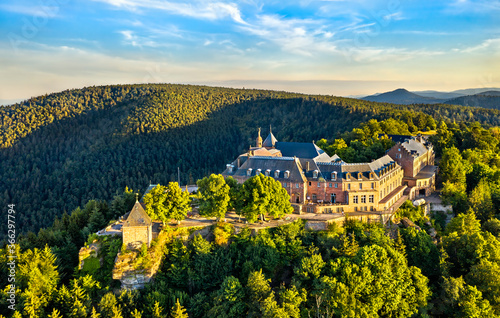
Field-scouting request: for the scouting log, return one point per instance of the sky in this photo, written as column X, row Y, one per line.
column 334, row 47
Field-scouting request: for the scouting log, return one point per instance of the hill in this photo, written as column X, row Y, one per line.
column 60, row 150
column 402, row 96
column 438, row 95
column 488, row 99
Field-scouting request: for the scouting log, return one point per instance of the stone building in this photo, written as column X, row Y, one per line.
column 319, row 183
column 137, row 227
column 416, row 156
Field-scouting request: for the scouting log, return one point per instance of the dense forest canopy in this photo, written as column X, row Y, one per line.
column 61, row 150
column 356, row 270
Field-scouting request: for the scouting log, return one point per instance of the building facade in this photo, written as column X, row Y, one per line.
column 137, row 227
column 416, row 156
column 322, row 184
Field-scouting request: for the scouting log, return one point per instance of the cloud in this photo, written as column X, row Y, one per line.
column 478, row 6
column 299, row 36
column 199, row 10
column 491, row 46
column 39, row 11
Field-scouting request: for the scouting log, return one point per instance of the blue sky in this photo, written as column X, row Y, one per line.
column 328, row 47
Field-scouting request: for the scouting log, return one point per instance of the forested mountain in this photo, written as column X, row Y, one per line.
column 402, row 96
column 489, row 99
column 58, row 151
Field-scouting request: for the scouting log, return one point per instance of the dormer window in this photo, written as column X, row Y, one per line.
column 372, row 175
column 268, row 172
column 277, row 174
column 315, row 174
column 229, row 167
column 360, row 175
column 348, row 176
column 334, row 175
column 258, row 171
column 249, row 172
column 287, row 174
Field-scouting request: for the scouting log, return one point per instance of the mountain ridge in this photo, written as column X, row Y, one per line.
column 402, row 96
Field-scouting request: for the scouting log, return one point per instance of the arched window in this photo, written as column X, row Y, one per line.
column 348, row 176
column 277, row 174
column 258, row 171
column 287, row 174
column 334, row 175
column 360, row 175
column 315, row 173
column 268, row 172
column 249, row 172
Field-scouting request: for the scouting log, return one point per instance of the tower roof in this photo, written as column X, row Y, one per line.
column 137, row 216
column 270, row 140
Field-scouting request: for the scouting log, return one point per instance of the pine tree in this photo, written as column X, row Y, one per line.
column 136, row 313
column 157, row 310
column 399, row 244
column 55, row 314
column 95, row 314
column 178, row 311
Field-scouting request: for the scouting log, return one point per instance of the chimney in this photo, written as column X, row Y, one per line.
column 239, row 162
column 307, row 165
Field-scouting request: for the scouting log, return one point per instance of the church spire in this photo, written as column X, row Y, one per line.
column 259, row 140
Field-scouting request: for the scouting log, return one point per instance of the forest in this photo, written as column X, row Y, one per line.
column 67, row 171
column 61, row 150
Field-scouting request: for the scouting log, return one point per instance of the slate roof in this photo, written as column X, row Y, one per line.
column 342, row 168
column 303, row 150
column 413, row 145
column 273, row 164
column 270, row 141
column 137, row 216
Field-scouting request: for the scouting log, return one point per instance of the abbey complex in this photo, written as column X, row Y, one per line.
column 319, row 183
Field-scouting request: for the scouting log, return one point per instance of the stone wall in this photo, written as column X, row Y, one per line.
column 134, row 236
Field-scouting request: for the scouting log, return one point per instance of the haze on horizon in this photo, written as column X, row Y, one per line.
column 334, row 47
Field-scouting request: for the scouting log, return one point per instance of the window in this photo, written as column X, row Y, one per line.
column 249, row 172
column 373, row 185
column 284, row 185
column 360, row 186
column 319, row 184
column 354, row 199
column 333, row 197
column 372, row 175
column 348, row 186
column 287, row 174
column 360, row 175
column 348, row 176
column 258, row 171
column 310, row 183
column 355, row 209
column 297, row 185
column 398, row 156
column 315, row 173
column 381, row 194
column 334, row 175
column 277, row 174
column 399, row 149
column 330, row 185
column 363, row 199
column 370, row 198
column 268, row 173
column 315, row 197
column 336, row 185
